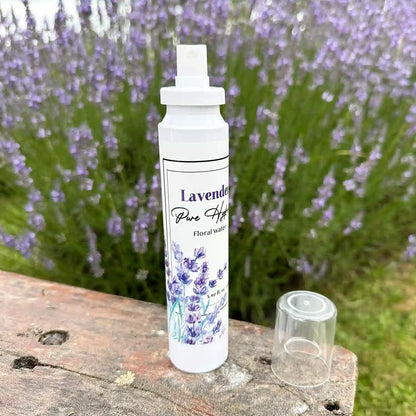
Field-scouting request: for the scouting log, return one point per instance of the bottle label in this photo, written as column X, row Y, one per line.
column 195, row 195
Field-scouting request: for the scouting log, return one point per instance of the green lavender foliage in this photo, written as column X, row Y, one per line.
column 320, row 102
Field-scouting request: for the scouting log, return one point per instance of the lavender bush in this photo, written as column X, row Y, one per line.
column 320, row 100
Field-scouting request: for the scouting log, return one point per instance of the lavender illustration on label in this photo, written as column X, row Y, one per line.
column 189, row 291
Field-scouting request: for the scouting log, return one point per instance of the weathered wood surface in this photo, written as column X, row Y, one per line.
column 115, row 362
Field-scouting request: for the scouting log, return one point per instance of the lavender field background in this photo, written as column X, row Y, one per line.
column 322, row 113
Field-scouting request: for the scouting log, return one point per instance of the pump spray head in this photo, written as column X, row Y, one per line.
column 192, row 82
column 192, row 67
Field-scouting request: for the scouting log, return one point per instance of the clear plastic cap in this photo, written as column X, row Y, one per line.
column 304, row 338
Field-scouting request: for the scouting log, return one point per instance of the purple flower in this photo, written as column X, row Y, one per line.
column 192, row 318
column 254, row 140
column 184, row 277
column 338, row 136
column 277, row 180
column 191, row 264
column 200, row 290
column 193, row 307
column 217, row 327
column 139, row 235
column 299, row 156
column 193, row 331
column 256, row 217
column 220, row 273
column 7, row 239
column 177, row 252
column 199, row 253
column 237, row 219
column 115, row 226
column 201, row 280
column 83, row 148
column 57, row 194
column 212, row 283
column 327, row 217
column 94, row 256
column 303, row 266
column 355, row 224
column 410, row 251
column 324, row 193
column 37, row 221
column 190, row 340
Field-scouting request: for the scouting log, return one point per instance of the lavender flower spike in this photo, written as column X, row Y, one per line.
column 115, row 226
column 94, row 256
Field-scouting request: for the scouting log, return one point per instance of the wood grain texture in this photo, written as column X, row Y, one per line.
column 114, row 362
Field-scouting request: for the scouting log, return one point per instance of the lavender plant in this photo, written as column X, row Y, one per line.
column 320, row 101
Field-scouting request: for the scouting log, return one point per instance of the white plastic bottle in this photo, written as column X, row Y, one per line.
column 193, row 144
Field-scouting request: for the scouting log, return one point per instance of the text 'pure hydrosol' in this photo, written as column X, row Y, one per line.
column 193, row 144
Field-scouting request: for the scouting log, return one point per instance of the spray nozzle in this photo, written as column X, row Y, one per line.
column 192, row 68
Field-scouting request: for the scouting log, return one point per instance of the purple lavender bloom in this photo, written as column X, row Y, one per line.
column 193, row 307
column 115, row 226
column 324, row 193
column 7, row 239
column 184, row 277
column 327, row 217
column 200, row 290
column 257, row 218
column 57, row 194
column 42, row 133
column 253, row 62
column 139, row 235
column 303, row 266
column 193, row 318
column 237, row 219
column 175, row 288
column 338, row 136
column 193, row 331
column 355, row 224
column 361, row 172
column 11, row 154
column 132, row 204
column 410, row 251
column 277, row 180
column 254, row 140
column 191, row 264
column 212, row 283
column 201, row 280
column 217, row 327
column 37, row 221
column 141, row 185
column 177, row 252
column 199, row 253
column 94, row 256
column 355, row 150
column 299, row 156
column 220, row 273
column 83, row 148
column 233, row 90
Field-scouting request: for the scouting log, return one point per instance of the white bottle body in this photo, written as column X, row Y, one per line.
column 193, row 144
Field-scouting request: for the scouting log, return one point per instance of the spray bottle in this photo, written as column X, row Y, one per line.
column 193, row 145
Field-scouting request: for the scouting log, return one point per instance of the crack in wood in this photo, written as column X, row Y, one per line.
column 111, row 382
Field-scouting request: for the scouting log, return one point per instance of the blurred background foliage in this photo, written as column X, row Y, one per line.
column 322, row 114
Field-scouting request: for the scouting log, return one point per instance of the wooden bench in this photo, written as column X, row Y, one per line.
column 74, row 352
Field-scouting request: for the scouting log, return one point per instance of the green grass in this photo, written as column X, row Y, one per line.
column 377, row 321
